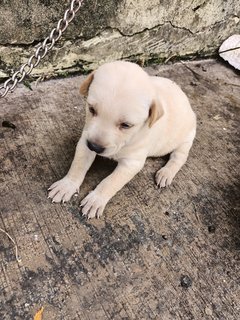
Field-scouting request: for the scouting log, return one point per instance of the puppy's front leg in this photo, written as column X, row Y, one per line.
column 94, row 203
column 63, row 189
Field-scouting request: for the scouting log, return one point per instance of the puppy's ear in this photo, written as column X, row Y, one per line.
column 86, row 84
column 155, row 112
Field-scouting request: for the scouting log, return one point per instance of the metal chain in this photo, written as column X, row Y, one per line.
column 10, row 84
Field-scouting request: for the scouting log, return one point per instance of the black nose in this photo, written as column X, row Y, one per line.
column 95, row 147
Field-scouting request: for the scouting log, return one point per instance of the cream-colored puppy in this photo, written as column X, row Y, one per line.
column 129, row 116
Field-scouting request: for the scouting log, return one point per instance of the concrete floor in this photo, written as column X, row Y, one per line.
column 155, row 254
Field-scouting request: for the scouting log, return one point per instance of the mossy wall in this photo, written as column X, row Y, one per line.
column 114, row 29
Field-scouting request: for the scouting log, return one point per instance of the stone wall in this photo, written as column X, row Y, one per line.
column 155, row 30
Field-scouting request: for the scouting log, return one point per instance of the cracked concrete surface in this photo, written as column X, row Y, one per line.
column 155, row 254
column 110, row 30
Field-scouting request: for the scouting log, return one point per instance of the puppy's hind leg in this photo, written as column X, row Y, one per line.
column 178, row 157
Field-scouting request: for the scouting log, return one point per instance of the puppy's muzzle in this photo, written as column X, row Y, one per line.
column 95, row 147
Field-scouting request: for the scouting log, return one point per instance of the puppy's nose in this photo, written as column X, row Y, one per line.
column 95, row 147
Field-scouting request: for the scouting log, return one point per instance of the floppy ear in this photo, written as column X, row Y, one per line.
column 86, row 84
column 155, row 112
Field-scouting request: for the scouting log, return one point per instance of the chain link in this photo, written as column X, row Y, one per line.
column 10, row 84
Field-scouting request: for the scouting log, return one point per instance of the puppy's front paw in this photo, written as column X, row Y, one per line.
column 62, row 190
column 164, row 177
column 93, row 205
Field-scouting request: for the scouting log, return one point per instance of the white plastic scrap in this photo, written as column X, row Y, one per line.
column 230, row 50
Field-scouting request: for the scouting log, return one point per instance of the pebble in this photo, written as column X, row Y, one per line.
column 185, row 281
column 208, row 311
column 211, row 229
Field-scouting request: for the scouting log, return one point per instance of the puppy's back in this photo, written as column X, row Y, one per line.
column 178, row 121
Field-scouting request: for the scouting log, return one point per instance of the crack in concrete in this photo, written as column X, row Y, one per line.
column 173, row 25
column 149, row 29
column 181, row 28
column 63, row 40
column 36, row 42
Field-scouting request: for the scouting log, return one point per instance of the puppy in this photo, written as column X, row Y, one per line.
column 129, row 116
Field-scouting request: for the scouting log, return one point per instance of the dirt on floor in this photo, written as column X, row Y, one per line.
column 155, row 254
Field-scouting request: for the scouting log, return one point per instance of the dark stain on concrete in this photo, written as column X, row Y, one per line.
column 105, row 246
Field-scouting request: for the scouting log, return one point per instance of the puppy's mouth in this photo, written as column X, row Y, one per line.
column 111, row 151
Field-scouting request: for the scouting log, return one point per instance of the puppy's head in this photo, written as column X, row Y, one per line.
column 120, row 102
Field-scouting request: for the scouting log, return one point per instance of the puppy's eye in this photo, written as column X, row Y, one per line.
column 92, row 111
column 125, row 125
